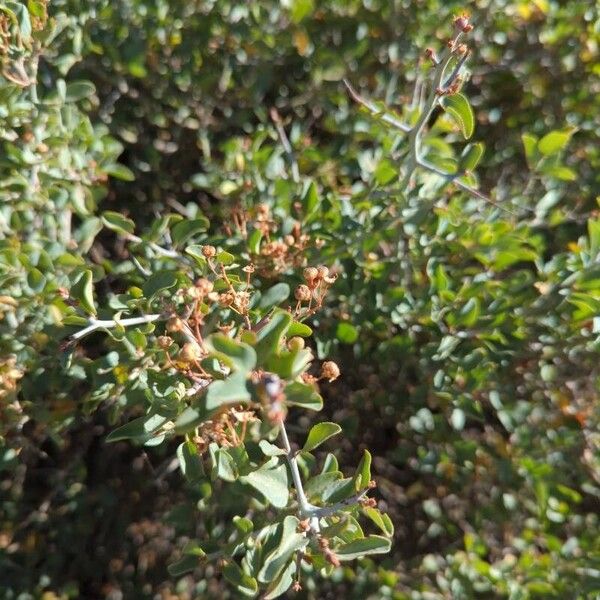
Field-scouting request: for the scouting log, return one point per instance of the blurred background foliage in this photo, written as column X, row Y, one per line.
column 467, row 335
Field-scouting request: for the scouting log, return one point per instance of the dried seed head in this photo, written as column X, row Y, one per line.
column 174, row 324
column 249, row 269
column 302, row 293
column 310, row 274
column 242, row 300
column 164, row 341
column 209, row 251
column 226, row 298
column 204, row 286
column 330, row 370
column 296, row 344
column 323, row 271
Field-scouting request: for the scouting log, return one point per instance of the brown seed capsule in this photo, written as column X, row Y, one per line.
column 204, row 286
column 296, row 344
column 310, row 274
column 330, row 370
column 209, row 251
column 174, row 324
column 302, row 293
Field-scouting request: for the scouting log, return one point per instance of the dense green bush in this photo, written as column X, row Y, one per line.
column 177, row 302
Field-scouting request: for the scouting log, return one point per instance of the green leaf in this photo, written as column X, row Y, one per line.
column 372, row 544
column 291, row 541
column 346, row 333
column 274, row 295
column 246, row 585
column 181, row 232
column 119, row 171
column 300, row 9
column 289, row 364
column 232, row 390
column 117, row 222
column 300, row 329
column 237, row 355
column 225, row 258
column 319, row 434
column 36, row 280
column 362, row 477
column 223, row 465
column 555, row 141
column 380, row 519
column 271, row 483
column 254, row 241
column 304, row 395
column 83, row 292
column 458, row 107
column 189, row 419
column 159, row 281
column 283, row 583
column 471, row 156
column 77, row 90
column 23, row 19
column 270, row 336
column 269, row 449
column 530, row 145
column 190, row 462
column 195, row 251
column 183, row 565
column 317, row 485
column 561, row 172
column 243, row 524
column 140, row 429
column 310, row 198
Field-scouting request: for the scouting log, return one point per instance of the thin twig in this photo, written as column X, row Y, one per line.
column 285, row 142
column 131, row 237
column 375, row 110
column 306, row 508
column 414, row 140
column 327, row 511
column 95, row 324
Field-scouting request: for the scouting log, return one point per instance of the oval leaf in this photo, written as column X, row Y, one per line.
column 372, row 544
column 83, row 292
column 271, row 483
column 458, row 107
column 319, row 434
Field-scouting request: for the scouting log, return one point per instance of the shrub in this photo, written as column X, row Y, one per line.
column 326, row 228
